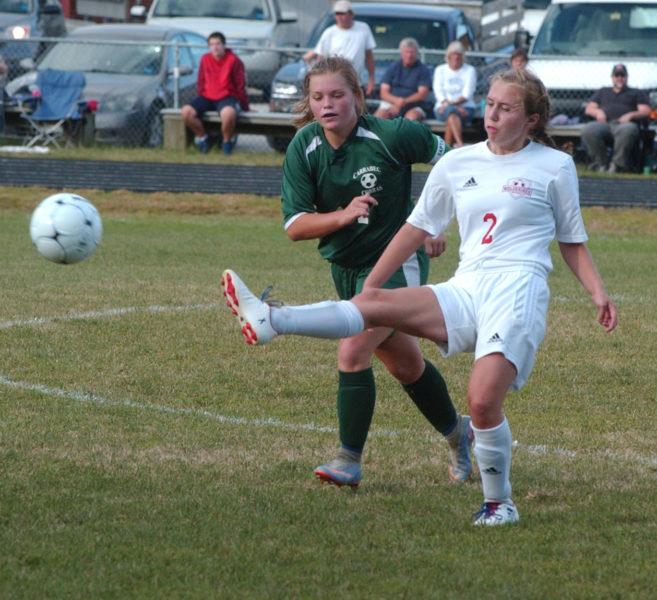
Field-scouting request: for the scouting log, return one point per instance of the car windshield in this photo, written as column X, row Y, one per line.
column 227, row 9
column 389, row 31
column 536, row 4
column 94, row 57
column 21, row 7
column 599, row 29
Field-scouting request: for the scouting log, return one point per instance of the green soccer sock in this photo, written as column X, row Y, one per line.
column 356, row 399
column 430, row 395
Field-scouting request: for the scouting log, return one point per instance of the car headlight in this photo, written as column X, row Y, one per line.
column 283, row 88
column 118, row 103
column 20, row 32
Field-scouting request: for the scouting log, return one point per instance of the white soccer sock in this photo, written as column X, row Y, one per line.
column 493, row 453
column 327, row 319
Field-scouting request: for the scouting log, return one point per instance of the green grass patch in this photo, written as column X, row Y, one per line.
column 147, row 452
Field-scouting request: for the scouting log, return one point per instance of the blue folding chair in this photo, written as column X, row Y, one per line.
column 59, row 112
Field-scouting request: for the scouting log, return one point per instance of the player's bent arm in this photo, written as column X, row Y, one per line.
column 580, row 261
column 309, row 226
column 407, row 240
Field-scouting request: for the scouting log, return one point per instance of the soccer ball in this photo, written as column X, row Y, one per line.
column 65, row 228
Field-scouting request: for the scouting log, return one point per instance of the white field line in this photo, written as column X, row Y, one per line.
column 93, row 399
column 99, row 314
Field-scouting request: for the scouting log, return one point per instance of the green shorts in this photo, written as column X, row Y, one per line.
column 348, row 282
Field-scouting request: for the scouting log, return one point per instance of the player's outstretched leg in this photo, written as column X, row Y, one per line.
column 460, row 443
column 252, row 313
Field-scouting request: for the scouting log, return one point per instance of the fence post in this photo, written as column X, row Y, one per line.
column 176, row 75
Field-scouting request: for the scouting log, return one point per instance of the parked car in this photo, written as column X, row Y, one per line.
column 129, row 70
column 22, row 21
column 433, row 27
column 256, row 24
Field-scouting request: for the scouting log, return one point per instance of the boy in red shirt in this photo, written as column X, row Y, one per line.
column 222, row 87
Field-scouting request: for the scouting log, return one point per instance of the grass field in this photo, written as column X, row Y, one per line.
column 147, row 452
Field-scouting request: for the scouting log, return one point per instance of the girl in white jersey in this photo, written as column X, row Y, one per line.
column 511, row 195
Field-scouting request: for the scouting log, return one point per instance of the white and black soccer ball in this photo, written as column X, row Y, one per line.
column 65, row 228
column 368, row 180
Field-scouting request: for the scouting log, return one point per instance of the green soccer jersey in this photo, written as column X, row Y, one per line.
column 376, row 158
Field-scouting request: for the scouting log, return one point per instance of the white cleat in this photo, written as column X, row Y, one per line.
column 496, row 513
column 252, row 313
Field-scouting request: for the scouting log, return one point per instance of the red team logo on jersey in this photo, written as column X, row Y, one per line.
column 518, row 188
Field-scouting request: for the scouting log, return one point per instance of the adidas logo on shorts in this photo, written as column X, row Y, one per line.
column 495, row 338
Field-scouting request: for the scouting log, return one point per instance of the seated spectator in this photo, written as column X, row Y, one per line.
column 405, row 86
column 519, row 58
column 454, row 87
column 221, row 87
column 617, row 111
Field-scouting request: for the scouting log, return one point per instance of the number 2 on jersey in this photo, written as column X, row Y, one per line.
column 488, row 238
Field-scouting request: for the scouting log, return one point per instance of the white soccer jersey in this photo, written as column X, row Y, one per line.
column 509, row 207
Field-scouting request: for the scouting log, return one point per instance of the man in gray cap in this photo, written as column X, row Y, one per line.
column 350, row 39
column 617, row 111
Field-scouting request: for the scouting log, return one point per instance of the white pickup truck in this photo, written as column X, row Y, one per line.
column 579, row 42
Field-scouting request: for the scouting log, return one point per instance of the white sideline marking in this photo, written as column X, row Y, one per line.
column 99, row 314
column 276, row 423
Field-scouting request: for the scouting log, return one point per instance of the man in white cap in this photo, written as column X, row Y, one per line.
column 617, row 111
column 350, row 39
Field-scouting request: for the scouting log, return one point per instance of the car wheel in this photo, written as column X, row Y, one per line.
column 278, row 143
column 154, row 132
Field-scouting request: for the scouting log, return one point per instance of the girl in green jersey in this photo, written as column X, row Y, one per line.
column 347, row 183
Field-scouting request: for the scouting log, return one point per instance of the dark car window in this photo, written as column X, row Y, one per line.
column 233, row 9
column 604, row 29
column 20, row 7
column 199, row 48
column 388, row 31
column 185, row 58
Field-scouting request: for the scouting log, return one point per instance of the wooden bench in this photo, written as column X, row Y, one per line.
column 177, row 135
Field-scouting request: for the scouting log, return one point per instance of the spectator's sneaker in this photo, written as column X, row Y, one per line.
column 340, row 472
column 460, row 463
column 252, row 313
column 228, row 147
column 496, row 513
column 202, row 144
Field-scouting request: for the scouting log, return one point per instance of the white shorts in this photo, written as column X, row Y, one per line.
column 487, row 312
column 384, row 105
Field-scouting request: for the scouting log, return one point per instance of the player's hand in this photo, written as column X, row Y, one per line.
column 435, row 246
column 607, row 315
column 359, row 207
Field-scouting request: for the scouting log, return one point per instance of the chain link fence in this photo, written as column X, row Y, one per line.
column 131, row 82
